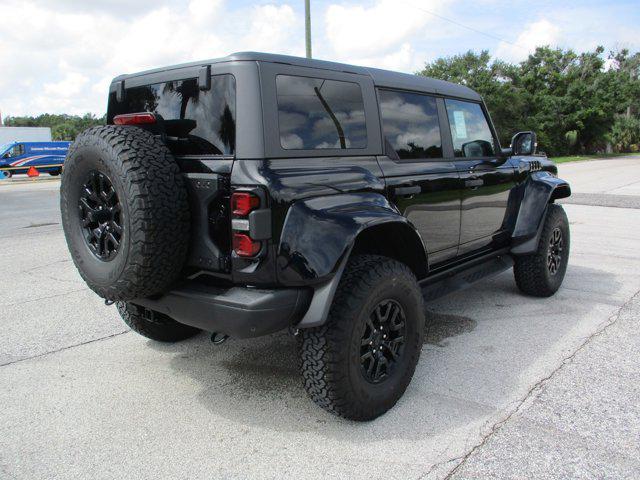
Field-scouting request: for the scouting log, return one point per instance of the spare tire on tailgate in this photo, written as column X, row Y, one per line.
column 125, row 212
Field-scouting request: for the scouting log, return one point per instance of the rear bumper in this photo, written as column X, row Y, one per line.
column 238, row 311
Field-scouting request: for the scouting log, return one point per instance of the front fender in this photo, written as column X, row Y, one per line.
column 319, row 232
column 540, row 189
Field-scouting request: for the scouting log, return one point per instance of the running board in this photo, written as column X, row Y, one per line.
column 463, row 276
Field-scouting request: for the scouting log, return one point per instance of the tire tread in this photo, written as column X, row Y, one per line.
column 159, row 216
column 530, row 271
column 321, row 355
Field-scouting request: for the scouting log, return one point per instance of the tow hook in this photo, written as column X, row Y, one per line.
column 218, row 338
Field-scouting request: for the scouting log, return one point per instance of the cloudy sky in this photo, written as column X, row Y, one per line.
column 59, row 56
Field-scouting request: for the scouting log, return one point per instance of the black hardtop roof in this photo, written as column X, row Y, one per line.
column 381, row 78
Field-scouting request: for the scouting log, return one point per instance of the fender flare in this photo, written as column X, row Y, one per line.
column 540, row 189
column 317, row 240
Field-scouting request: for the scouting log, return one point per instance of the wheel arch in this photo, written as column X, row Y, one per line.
column 321, row 234
column 407, row 248
column 401, row 242
column 540, row 189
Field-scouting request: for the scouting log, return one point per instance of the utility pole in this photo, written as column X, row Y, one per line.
column 307, row 26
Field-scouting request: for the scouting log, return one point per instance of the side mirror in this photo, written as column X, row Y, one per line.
column 524, row 143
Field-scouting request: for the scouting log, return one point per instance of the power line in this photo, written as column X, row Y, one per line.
column 495, row 37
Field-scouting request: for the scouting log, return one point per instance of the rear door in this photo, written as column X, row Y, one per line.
column 196, row 112
column 486, row 183
column 421, row 177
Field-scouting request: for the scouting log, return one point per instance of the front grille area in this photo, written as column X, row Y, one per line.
column 535, row 165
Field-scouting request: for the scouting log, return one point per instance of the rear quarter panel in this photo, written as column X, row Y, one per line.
column 316, row 206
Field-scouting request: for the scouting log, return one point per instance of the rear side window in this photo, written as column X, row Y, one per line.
column 469, row 129
column 315, row 113
column 410, row 124
column 197, row 122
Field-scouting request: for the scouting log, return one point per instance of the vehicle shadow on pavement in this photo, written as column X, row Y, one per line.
column 471, row 365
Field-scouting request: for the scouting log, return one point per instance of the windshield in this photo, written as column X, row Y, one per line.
column 6, row 151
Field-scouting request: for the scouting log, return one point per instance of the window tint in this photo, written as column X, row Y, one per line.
column 315, row 113
column 469, row 129
column 197, row 122
column 410, row 124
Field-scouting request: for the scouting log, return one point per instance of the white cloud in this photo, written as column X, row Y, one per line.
column 539, row 33
column 403, row 59
column 63, row 57
column 357, row 31
column 272, row 24
column 204, row 10
column 70, row 86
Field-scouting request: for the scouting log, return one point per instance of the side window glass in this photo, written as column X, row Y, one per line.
column 16, row 151
column 410, row 124
column 315, row 113
column 470, row 130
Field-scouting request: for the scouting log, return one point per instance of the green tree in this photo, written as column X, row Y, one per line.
column 63, row 127
column 625, row 133
column 571, row 100
column 492, row 79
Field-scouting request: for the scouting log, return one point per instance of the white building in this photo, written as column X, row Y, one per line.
column 24, row 134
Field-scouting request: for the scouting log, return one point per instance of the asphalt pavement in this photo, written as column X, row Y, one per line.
column 507, row 386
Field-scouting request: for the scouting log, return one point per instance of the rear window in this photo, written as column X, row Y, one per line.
column 316, row 113
column 197, row 122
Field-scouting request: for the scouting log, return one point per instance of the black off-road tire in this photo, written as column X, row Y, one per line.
column 55, row 173
column 330, row 355
column 532, row 272
column 153, row 201
column 154, row 325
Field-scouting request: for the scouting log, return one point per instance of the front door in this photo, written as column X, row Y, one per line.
column 486, row 181
column 423, row 184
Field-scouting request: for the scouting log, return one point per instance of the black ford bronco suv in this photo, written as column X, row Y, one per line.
column 255, row 193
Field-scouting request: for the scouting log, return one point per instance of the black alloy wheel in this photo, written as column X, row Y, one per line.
column 382, row 343
column 101, row 216
column 554, row 256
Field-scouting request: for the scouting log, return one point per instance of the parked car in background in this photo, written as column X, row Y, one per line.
column 18, row 157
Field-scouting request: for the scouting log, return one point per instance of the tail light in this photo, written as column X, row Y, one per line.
column 242, row 204
column 244, row 245
column 141, row 118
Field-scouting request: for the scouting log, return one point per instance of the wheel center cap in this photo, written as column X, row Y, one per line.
column 101, row 215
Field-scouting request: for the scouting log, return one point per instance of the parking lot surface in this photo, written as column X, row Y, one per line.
column 507, row 386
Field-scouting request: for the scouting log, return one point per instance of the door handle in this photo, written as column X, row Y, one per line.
column 474, row 183
column 407, row 191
